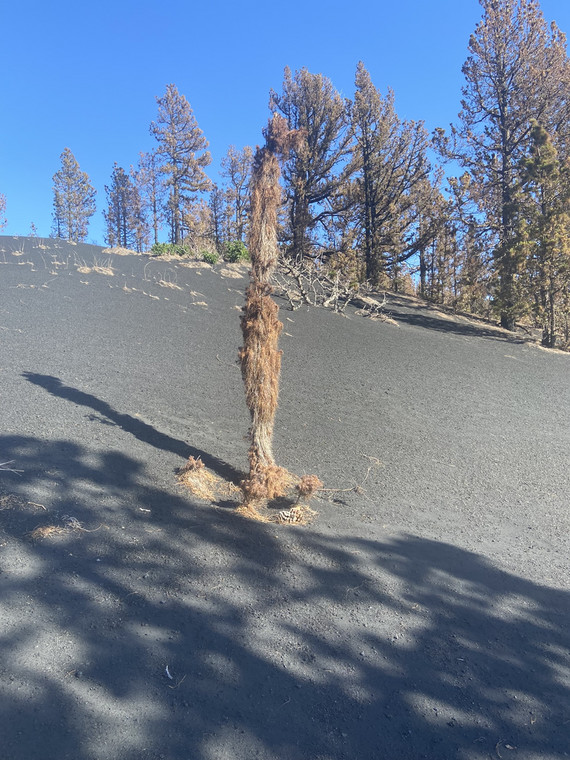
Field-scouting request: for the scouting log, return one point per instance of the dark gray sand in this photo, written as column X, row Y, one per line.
column 425, row 614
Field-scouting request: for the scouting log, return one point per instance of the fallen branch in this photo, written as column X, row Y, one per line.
column 306, row 282
column 3, row 467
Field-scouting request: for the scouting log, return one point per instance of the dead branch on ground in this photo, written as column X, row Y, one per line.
column 307, row 282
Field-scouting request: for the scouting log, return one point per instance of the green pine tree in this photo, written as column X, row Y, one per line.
column 73, row 200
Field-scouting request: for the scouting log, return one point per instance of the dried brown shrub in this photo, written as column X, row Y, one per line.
column 251, row 512
column 193, row 464
column 45, row 531
column 206, row 484
column 265, row 482
column 308, row 485
column 197, row 478
column 260, row 357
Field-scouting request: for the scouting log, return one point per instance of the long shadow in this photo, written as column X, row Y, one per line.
column 421, row 319
column 141, row 430
column 279, row 645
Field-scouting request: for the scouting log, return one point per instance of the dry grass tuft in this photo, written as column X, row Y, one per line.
column 9, row 501
column 168, row 284
column 45, row 531
column 97, row 267
column 108, row 270
column 198, row 479
column 250, row 512
column 205, row 484
column 120, row 251
column 194, row 464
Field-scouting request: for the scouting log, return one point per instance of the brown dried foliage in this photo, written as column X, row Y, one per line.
column 308, row 485
column 261, row 365
column 259, row 356
column 45, row 531
column 264, row 481
column 193, row 464
column 198, row 479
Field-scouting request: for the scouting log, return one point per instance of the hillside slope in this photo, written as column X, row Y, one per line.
column 425, row 612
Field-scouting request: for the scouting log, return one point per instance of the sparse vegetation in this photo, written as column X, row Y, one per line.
column 169, row 249
column 363, row 190
column 210, row 257
column 236, row 251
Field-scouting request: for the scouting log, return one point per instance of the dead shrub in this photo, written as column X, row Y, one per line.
column 260, row 357
column 308, row 485
column 198, row 479
column 45, row 531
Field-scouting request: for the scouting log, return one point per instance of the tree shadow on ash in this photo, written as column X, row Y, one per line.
column 418, row 315
column 280, row 643
column 139, row 429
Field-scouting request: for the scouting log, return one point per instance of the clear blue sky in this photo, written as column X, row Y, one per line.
column 86, row 75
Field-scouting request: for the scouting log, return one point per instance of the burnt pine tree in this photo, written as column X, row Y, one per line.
column 236, row 170
column 126, row 213
column 3, row 220
column 119, row 215
column 151, row 191
column 475, row 264
column 140, row 209
column 219, row 221
column 517, row 70
column 317, row 170
column 546, row 184
column 73, row 200
column 183, row 155
column 394, row 192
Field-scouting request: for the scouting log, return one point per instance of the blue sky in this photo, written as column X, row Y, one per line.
column 86, row 75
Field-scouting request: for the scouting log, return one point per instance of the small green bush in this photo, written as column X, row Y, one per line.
column 211, row 258
column 160, row 249
column 169, row 249
column 236, row 251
